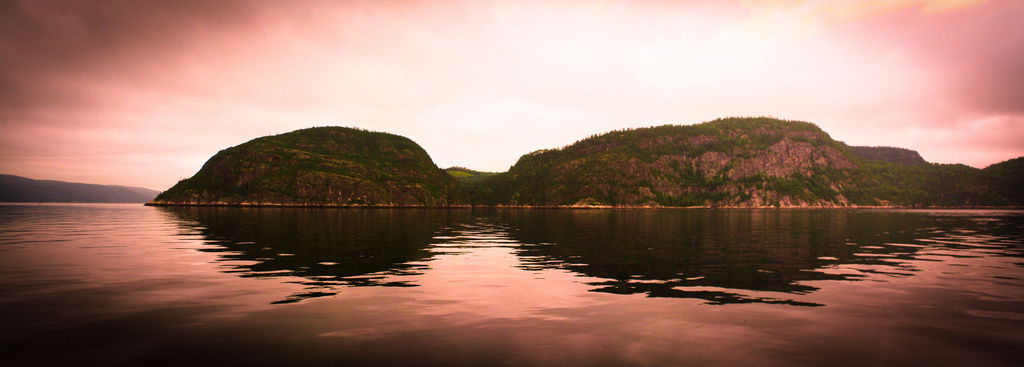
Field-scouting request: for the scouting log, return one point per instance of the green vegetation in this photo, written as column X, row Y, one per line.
column 721, row 162
column 319, row 166
column 741, row 162
column 464, row 175
column 471, row 183
column 458, row 173
column 725, row 162
column 1006, row 181
column 890, row 154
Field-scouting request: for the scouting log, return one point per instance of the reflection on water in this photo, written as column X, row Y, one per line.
column 137, row 285
column 715, row 255
column 328, row 248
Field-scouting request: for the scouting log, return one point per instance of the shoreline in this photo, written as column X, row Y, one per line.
column 592, row 207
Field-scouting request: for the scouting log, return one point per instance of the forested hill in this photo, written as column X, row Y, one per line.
column 324, row 166
column 745, row 162
column 733, row 162
column 1006, row 181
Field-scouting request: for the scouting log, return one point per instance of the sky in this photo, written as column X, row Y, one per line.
column 143, row 93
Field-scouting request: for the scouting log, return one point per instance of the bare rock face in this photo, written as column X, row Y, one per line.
column 328, row 166
column 788, row 157
column 711, row 163
column 731, row 162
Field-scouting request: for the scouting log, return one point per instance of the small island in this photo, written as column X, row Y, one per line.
column 322, row 166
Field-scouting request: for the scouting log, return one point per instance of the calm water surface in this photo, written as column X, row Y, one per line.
column 134, row 285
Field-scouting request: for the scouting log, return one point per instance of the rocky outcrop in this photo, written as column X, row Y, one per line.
column 731, row 162
column 788, row 157
column 741, row 162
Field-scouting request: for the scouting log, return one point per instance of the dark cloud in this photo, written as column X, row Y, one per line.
column 48, row 46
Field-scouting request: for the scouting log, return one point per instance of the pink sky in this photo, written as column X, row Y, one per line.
column 142, row 93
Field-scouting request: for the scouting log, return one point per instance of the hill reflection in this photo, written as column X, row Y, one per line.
column 327, row 247
column 720, row 256
column 717, row 255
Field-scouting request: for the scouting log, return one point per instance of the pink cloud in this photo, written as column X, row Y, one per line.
column 140, row 94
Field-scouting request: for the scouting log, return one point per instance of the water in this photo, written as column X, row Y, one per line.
column 133, row 285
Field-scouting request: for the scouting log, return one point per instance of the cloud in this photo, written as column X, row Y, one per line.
column 838, row 10
column 50, row 48
column 973, row 53
column 90, row 90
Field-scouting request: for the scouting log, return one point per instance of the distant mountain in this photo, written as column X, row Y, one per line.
column 324, row 166
column 732, row 162
column 469, row 182
column 463, row 172
column 890, row 154
column 27, row 190
column 467, row 176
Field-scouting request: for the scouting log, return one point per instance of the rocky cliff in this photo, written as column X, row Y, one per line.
column 730, row 162
column 325, row 166
column 744, row 162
